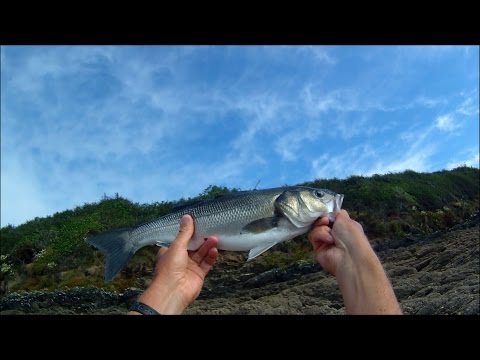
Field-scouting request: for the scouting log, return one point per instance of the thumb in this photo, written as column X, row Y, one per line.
column 343, row 214
column 185, row 233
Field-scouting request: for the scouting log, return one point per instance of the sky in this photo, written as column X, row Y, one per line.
column 158, row 123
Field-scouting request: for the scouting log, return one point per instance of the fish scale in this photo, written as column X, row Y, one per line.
column 251, row 221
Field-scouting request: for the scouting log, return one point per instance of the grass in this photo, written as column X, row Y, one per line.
column 51, row 252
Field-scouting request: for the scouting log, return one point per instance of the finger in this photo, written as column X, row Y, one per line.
column 321, row 221
column 185, row 233
column 202, row 251
column 161, row 251
column 209, row 260
column 342, row 215
column 320, row 234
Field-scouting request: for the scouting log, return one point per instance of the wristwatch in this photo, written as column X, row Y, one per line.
column 143, row 309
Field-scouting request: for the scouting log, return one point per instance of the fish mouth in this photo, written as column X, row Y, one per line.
column 337, row 206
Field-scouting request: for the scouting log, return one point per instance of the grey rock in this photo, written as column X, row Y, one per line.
column 437, row 274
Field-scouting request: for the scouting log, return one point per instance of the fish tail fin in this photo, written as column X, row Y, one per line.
column 118, row 248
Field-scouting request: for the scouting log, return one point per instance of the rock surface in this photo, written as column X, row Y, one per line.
column 438, row 274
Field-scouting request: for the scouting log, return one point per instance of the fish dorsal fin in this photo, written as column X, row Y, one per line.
column 190, row 203
column 256, row 251
column 261, row 225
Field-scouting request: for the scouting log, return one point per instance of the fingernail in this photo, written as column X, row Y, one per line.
column 184, row 220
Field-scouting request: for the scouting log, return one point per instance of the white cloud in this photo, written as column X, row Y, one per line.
column 415, row 53
column 413, row 154
column 428, row 102
column 352, row 161
column 364, row 160
column 471, row 158
column 468, row 107
column 22, row 196
column 137, row 139
column 417, row 160
column 446, row 123
column 342, row 100
column 320, row 53
column 290, row 142
column 354, row 99
column 409, row 152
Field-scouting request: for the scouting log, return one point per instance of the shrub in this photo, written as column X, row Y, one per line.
column 43, row 250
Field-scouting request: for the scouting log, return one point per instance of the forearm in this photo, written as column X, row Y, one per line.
column 163, row 300
column 365, row 286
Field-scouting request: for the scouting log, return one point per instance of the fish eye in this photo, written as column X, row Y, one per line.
column 319, row 194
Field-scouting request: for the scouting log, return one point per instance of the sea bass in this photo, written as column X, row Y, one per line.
column 251, row 221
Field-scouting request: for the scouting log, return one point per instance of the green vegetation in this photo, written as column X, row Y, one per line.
column 51, row 252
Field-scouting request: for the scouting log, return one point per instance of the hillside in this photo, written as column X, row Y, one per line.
column 434, row 274
column 50, row 253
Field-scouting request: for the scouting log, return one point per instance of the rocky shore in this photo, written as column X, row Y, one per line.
column 437, row 274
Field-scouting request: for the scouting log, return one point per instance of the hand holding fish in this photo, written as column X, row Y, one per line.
column 179, row 275
column 345, row 252
column 333, row 246
column 252, row 221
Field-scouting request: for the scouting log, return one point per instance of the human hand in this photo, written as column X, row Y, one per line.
column 179, row 274
column 332, row 245
column 345, row 252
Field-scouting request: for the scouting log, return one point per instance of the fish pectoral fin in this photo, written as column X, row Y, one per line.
column 261, row 225
column 259, row 250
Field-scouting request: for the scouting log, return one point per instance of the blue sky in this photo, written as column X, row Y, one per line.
column 158, row 123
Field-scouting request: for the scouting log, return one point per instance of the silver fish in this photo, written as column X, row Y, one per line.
column 251, row 221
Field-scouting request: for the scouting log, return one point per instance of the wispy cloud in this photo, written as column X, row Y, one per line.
column 469, row 107
column 341, row 100
column 428, row 102
column 160, row 123
column 22, row 195
column 290, row 142
column 320, row 53
column 343, row 164
column 406, row 152
column 446, row 123
column 470, row 158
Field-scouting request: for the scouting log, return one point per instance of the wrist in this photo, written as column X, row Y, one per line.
column 163, row 299
column 358, row 247
column 364, row 285
column 359, row 267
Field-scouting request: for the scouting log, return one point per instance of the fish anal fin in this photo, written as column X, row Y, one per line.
column 261, row 225
column 256, row 251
